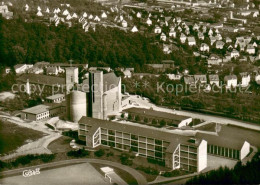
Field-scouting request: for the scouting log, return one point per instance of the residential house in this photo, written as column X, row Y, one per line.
column 220, row 44
column 163, row 37
column 212, row 40
column 183, row 38
column 201, row 36
column 138, row 15
column 245, row 79
column 204, row 47
column 191, row 41
column 214, row 80
column 172, row 33
column 234, row 53
column 124, row 24
column 149, row 22
column 189, row 80
column 210, row 33
column 228, row 40
column 231, row 81
column 104, row 15
column 250, row 49
column 127, row 73
column 134, row 29
column 157, row 29
column 7, row 70
column 214, row 59
column 201, row 79
column 174, row 76
column 5, row 12
column 22, row 68
column 52, row 71
column 196, row 27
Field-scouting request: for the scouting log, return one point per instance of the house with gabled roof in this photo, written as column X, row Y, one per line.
column 201, row 36
column 183, row 38
column 214, row 80
column 245, row 79
column 149, row 22
column 231, row 81
column 157, row 29
column 189, row 80
column 201, row 79
column 204, row 47
column 191, row 41
column 163, row 37
column 220, row 44
column 214, row 59
column 250, row 49
column 234, row 53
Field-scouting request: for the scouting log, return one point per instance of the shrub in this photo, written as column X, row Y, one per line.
column 148, row 170
column 99, row 153
column 78, row 153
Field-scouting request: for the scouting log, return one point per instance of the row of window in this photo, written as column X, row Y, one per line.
column 225, row 152
column 133, row 148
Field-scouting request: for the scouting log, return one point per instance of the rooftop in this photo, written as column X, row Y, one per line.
column 164, row 115
column 137, row 129
column 38, row 109
column 56, row 96
column 41, row 79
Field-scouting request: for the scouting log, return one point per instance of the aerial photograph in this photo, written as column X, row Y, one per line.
column 129, row 92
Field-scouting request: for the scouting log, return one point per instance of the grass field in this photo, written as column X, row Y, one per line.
column 60, row 145
column 13, row 136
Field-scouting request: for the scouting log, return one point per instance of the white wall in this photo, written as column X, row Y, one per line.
column 202, row 156
column 244, row 150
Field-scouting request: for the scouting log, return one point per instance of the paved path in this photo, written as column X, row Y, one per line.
column 139, row 177
column 37, row 147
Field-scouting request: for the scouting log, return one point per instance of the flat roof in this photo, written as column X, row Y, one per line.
column 38, row 109
column 137, row 129
column 55, row 96
column 231, row 136
column 164, row 115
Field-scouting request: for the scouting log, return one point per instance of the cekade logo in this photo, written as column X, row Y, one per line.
column 28, row 173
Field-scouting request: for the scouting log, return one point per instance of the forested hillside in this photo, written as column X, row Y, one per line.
column 32, row 42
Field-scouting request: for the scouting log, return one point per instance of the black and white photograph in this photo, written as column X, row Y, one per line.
column 129, row 92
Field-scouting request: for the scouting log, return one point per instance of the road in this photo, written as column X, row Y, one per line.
column 139, row 177
column 36, row 147
column 144, row 103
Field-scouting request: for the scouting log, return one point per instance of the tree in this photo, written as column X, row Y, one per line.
column 137, row 118
column 162, row 123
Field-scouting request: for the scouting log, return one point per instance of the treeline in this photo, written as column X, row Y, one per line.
column 241, row 174
column 32, row 42
column 27, row 159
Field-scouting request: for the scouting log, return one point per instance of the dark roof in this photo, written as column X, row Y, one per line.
column 41, row 79
column 137, row 129
column 231, row 137
column 110, row 80
column 38, row 109
column 163, row 115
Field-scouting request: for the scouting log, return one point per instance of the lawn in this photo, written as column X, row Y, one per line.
column 13, row 136
column 60, row 145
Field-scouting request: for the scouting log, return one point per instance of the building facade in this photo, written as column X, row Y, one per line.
column 175, row 151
